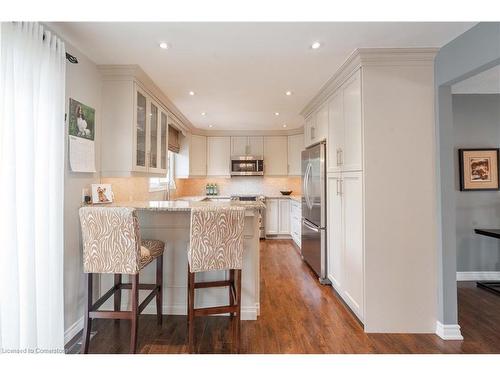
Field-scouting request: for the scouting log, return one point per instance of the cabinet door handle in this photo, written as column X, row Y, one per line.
column 313, row 130
column 341, row 156
column 341, row 184
column 338, row 189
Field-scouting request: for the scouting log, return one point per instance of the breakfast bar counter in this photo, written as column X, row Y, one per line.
column 169, row 221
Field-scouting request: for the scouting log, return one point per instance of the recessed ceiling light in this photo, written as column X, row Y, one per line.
column 163, row 45
column 288, row 93
column 315, row 45
column 284, row 125
column 210, row 126
column 191, row 93
column 203, row 113
column 276, row 113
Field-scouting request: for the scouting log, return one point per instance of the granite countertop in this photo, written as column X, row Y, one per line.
column 297, row 198
column 182, row 205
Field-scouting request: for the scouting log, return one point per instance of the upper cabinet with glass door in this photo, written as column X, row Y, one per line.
column 140, row 163
column 151, row 135
column 134, row 126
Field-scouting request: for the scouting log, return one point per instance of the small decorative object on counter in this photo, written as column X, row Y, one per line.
column 207, row 189
column 286, row 192
column 215, row 189
column 102, row 193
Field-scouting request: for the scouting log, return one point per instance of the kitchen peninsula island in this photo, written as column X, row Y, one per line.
column 169, row 221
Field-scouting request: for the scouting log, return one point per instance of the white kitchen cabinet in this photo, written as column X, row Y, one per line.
column 198, row 162
column 272, row 217
column 132, row 130
column 218, row 156
column 335, row 131
column 295, row 221
column 295, row 147
column 163, row 154
column 256, row 146
column 345, row 127
column 351, row 156
column 321, row 129
column 239, row 146
column 158, row 138
column 247, row 146
column 277, row 218
column 309, row 126
column 316, row 126
column 284, row 216
column 191, row 160
column 345, row 238
column 335, row 232
column 276, row 156
column 352, row 207
column 141, row 131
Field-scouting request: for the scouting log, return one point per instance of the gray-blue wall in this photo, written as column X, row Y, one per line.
column 476, row 124
column 472, row 52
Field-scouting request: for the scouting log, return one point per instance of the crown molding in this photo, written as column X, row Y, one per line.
column 370, row 57
column 135, row 73
column 247, row 133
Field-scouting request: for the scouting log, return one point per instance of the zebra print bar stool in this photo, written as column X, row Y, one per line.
column 216, row 243
column 112, row 244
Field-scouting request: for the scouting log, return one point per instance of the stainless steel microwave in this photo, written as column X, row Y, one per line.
column 247, row 166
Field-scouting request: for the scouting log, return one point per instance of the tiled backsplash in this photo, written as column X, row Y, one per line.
column 240, row 185
column 128, row 189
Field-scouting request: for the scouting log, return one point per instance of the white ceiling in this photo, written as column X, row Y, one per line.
column 487, row 82
column 240, row 71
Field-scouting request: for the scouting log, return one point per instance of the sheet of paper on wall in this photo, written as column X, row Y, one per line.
column 81, row 154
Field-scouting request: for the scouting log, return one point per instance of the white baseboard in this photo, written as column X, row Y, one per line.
column 73, row 330
column 478, row 275
column 448, row 331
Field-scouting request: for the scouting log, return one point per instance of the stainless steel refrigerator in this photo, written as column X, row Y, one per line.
column 314, row 209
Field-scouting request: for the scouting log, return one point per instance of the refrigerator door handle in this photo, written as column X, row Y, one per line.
column 311, row 227
column 306, row 185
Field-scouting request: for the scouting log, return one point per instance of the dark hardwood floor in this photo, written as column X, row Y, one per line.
column 300, row 316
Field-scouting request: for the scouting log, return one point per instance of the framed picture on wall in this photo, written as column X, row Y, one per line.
column 478, row 169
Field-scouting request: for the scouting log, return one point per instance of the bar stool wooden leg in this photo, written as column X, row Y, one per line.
column 118, row 294
column 231, row 297
column 238, row 311
column 191, row 311
column 88, row 321
column 135, row 313
column 159, row 284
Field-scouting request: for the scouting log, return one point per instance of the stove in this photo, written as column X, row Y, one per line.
column 254, row 198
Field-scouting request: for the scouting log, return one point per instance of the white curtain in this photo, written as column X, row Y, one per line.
column 32, row 82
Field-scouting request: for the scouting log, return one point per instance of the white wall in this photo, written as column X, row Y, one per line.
column 476, row 123
column 83, row 83
column 400, row 198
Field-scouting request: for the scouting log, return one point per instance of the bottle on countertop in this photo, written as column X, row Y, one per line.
column 207, row 189
column 215, row 189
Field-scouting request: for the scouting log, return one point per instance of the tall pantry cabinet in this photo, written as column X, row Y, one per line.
column 381, row 202
column 345, row 193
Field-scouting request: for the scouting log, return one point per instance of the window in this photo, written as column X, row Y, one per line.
column 161, row 183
